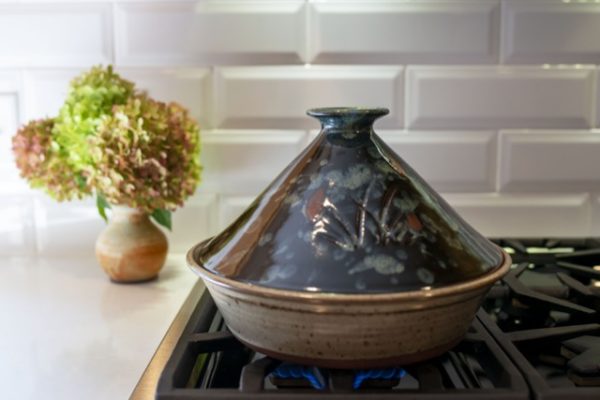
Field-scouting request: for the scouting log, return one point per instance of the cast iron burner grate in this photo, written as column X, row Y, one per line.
column 536, row 336
column 209, row 363
column 546, row 315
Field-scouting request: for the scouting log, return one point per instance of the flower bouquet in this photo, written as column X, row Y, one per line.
column 136, row 155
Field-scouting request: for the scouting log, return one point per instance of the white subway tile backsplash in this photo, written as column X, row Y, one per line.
column 449, row 161
column 551, row 31
column 59, row 34
column 194, row 222
column 45, row 91
column 232, row 64
column 525, row 215
column 8, row 114
column 10, row 181
column 245, row 162
column 17, row 235
column 278, row 97
column 10, row 87
column 10, row 81
column 205, row 32
column 595, row 216
column 500, row 97
column 65, row 229
column 401, row 32
column 549, row 160
column 188, row 87
column 231, row 207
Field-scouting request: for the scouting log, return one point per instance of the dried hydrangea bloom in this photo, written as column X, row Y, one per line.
column 91, row 96
column 41, row 163
column 146, row 155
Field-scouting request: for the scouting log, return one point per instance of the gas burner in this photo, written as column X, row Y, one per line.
column 296, row 376
column 288, row 375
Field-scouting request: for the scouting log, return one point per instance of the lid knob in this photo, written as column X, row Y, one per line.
column 350, row 122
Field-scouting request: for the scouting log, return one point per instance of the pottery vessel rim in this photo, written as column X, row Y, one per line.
column 333, row 297
column 333, row 111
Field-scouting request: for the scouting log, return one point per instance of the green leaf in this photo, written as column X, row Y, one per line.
column 162, row 217
column 102, row 205
column 80, row 180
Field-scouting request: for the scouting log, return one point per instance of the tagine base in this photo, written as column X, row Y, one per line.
column 403, row 360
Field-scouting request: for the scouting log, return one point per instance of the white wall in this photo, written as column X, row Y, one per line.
column 494, row 102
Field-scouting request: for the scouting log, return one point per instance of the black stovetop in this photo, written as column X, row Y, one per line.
column 537, row 335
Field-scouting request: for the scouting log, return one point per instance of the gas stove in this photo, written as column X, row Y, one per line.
column 537, row 336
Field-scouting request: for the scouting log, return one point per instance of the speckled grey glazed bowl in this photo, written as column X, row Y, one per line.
column 348, row 258
column 347, row 330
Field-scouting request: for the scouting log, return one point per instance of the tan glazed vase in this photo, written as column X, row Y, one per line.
column 131, row 248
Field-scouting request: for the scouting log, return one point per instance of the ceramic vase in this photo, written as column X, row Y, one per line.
column 131, row 248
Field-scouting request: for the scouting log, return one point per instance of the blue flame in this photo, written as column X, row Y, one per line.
column 386, row 373
column 312, row 374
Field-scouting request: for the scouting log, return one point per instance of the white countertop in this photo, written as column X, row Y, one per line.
column 67, row 332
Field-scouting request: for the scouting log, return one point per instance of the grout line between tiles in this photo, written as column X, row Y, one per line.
column 501, row 28
column 406, row 96
column 595, row 93
column 113, row 32
column 499, row 163
column 308, row 57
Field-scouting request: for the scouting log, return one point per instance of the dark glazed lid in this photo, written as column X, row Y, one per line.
column 348, row 215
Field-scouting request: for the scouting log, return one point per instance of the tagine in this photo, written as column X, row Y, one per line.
column 349, row 258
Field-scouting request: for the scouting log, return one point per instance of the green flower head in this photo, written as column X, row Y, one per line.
column 91, row 96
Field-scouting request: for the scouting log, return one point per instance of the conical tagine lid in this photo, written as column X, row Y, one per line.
column 348, row 215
